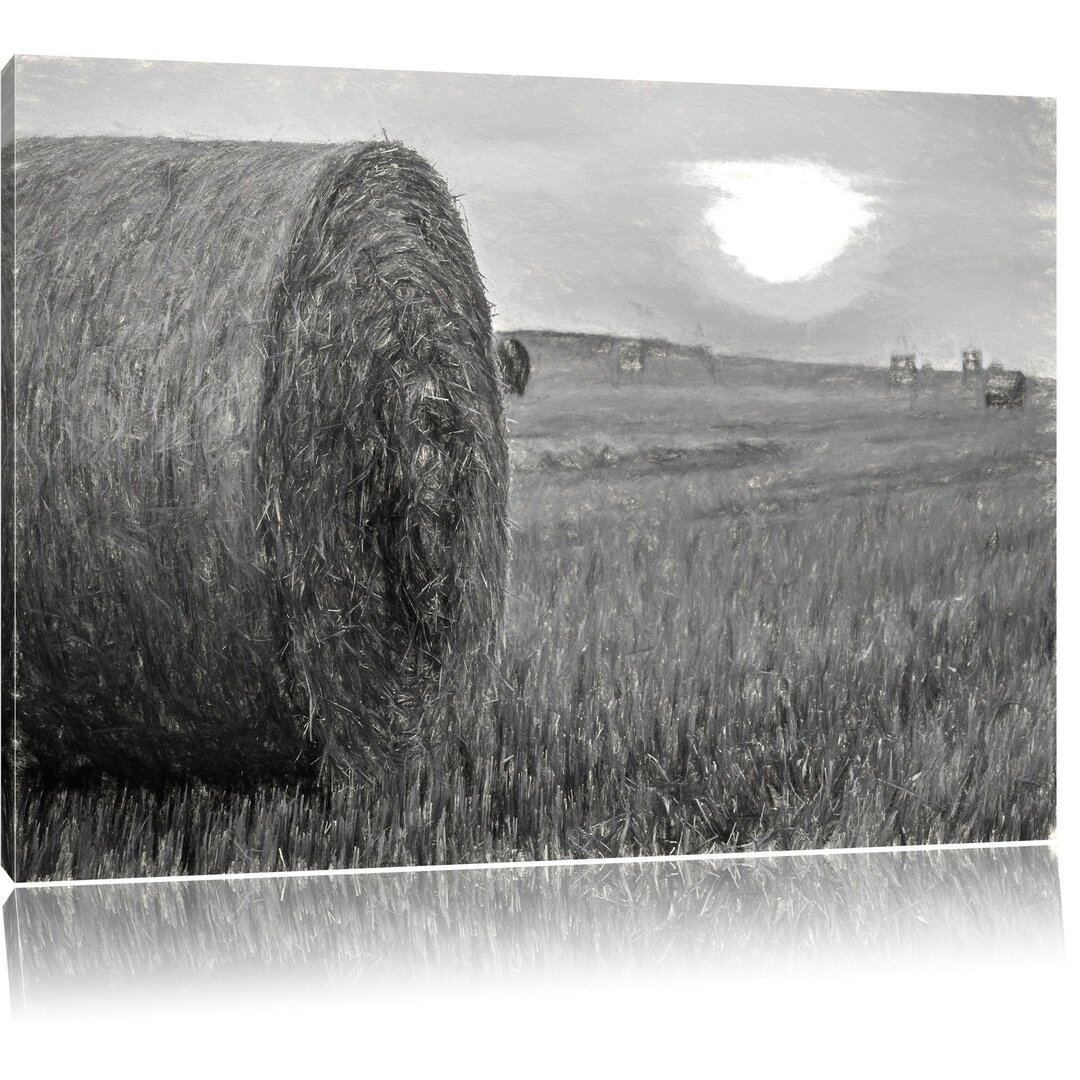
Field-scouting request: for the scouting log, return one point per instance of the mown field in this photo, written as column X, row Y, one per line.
column 753, row 606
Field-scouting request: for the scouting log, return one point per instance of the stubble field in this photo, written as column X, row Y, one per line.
column 757, row 606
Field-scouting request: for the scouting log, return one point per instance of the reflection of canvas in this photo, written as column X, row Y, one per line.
column 477, row 476
column 119, row 944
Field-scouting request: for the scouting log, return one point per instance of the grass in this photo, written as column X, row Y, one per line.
column 773, row 614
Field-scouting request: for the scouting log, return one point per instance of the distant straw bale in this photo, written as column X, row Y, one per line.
column 514, row 365
column 262, row 460
column 1005, row 389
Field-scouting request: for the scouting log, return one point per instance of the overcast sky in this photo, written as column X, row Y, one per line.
column 798, row 223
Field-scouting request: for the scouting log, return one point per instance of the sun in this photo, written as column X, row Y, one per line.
column 781, row 221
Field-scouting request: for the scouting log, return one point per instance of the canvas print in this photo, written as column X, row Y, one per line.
column 408, row 468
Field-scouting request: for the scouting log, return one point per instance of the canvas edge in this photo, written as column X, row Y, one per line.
column 7, row 506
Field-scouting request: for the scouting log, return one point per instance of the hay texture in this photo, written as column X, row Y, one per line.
column 262, row 462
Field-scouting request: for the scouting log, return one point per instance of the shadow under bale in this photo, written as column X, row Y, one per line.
column 514, row 365
column 261, row 459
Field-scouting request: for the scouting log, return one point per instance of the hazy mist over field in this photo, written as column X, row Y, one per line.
column 802, row 224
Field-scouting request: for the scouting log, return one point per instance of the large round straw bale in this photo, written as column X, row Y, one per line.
column 262, row 461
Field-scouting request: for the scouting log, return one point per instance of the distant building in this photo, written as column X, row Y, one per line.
column 972, row 361
column 902, row 370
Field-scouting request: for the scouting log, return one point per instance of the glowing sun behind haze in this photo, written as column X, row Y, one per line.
column 781, row 221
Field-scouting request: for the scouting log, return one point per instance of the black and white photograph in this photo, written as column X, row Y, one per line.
column 407, row 468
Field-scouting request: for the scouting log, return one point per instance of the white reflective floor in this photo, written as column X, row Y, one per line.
column 71, row 947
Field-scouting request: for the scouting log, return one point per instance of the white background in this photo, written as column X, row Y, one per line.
column 985, row 1020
